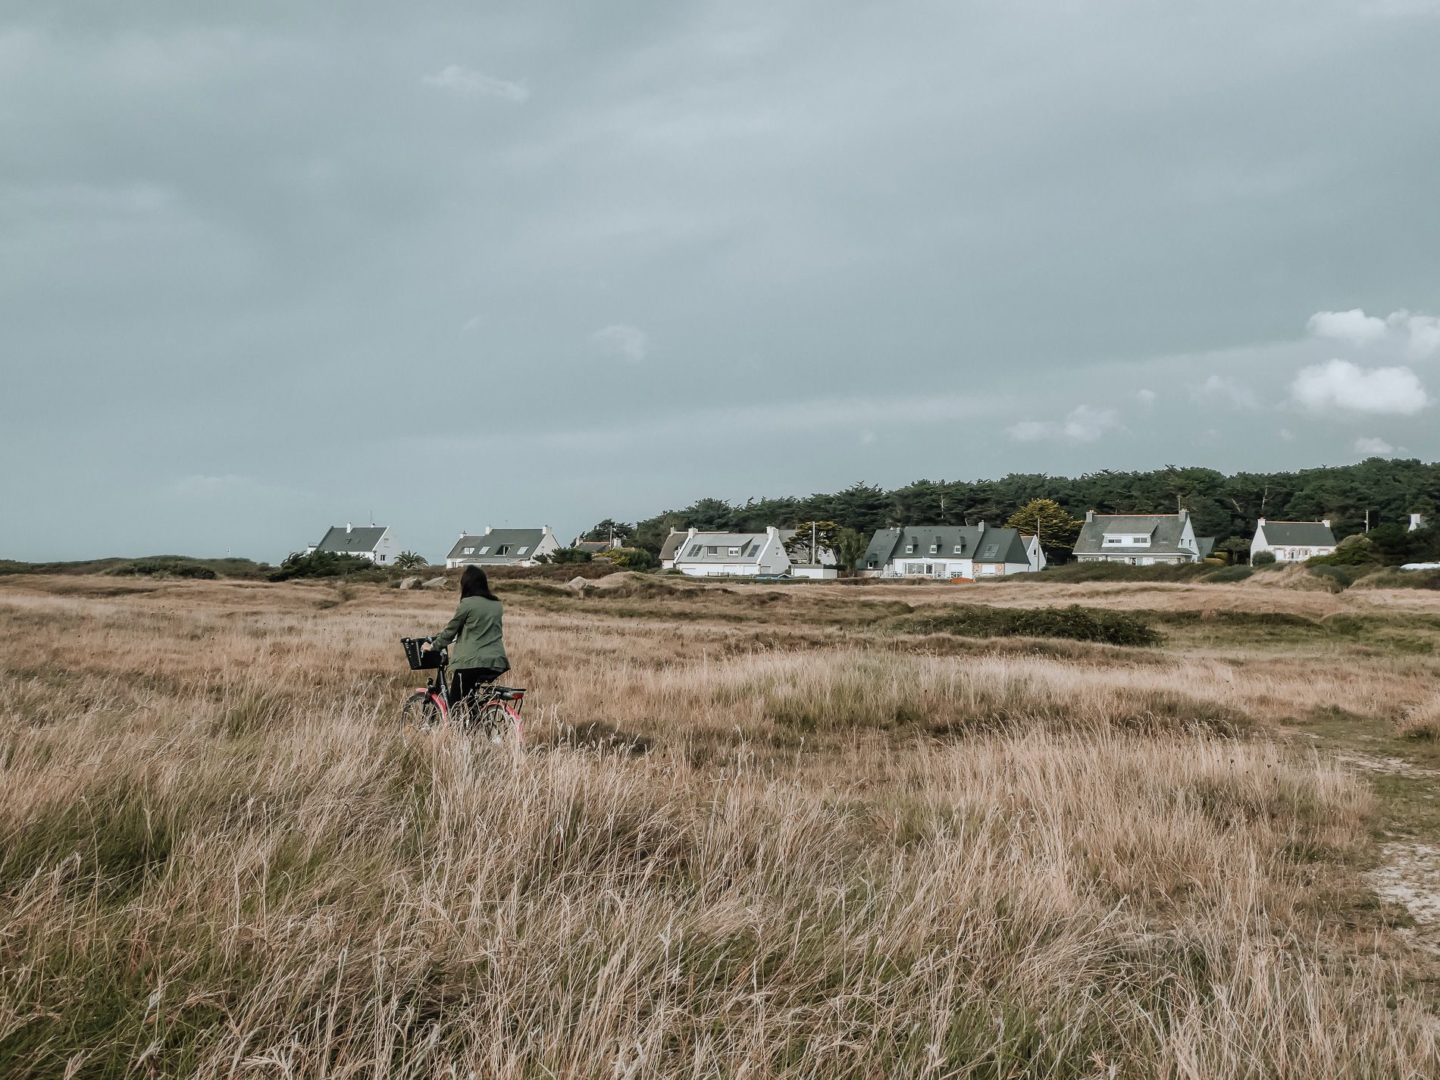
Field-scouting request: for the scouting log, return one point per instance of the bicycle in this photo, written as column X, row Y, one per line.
column 493, row 711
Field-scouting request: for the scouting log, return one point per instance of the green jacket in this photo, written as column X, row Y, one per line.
column 475, row 630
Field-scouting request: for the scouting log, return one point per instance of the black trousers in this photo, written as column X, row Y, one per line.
column 466, row 681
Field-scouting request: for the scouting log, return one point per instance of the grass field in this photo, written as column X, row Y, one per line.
column 812, row 831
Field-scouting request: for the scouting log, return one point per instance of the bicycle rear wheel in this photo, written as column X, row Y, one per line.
column 420, row 713
column 498, row 723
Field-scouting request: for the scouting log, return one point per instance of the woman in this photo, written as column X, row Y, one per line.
column 479, row 653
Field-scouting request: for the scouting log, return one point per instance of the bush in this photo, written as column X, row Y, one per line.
column 1075, row 623
column 563, row 556
column 1263, row 558
column 164, row 566
column 324, row 564
column 1352, row 551
column 1231, row 573
column 627, row 558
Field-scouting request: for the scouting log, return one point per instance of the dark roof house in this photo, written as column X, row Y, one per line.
column 979, row 544
column 502, row 547
column 1141, row 539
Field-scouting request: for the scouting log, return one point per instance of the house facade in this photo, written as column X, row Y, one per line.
column 502, row 547
column 372, row 542
column 1140, row 539
column 952, row 552
column 725, row 554
column 1293, row 541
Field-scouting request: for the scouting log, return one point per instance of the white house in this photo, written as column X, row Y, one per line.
column 1293, row 541
column 372, row 542
column 724, row 554
column 502, row 547
column 952, row 551
column 1140, row 539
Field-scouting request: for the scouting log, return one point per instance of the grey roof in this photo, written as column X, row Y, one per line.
column 1206, row 544
column 1164, row 531
column 512, row 540
column 750, row 545
column 672, row 544
column 352, row 541
column 1299, row 533
column 983, row 545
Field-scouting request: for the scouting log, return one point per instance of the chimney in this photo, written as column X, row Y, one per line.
column 1259, row 521
column 1325, row 522
column 1417, row 521
column 487, row 530
column 692, row 531
column 348, row 527
column 771, row 530
column 1089, row 516
column 982, row 528
column 1184, row 514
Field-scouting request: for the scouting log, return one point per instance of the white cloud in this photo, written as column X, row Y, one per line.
column 1084, row 423
column 625, row 342
column 1227, row 391
column 1287, row 435
column 1146, row 397
column 469, row 83
column 1417, row 334
column 1373, row 447
column 1341, row 385
column 1424, row 333
column 1353, row 326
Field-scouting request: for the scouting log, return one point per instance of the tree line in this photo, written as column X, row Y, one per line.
column 1223, row 506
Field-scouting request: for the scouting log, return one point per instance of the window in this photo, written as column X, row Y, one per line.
column 695, row 551
column 934, row 549
column 959, row 549
column 712, row 550
column 734, row 551
column 990, row 551
column 503, row 549
column 521, row 551
column 910, row 549
column 484, row 550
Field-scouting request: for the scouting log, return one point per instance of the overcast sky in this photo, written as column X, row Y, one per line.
column 285, row 265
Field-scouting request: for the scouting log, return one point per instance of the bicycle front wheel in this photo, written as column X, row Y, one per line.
column 497, row 723
column 420, row 713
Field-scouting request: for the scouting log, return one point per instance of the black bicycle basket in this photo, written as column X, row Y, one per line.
column 420, row 661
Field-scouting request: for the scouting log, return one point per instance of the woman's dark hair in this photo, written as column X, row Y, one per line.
column 473, row 582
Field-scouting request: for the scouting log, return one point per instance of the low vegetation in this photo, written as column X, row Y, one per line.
column 813, row 831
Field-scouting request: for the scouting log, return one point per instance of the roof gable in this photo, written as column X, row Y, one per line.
column 498, row 545
column 1164, row 531
column 717, row 547
column 353, row 541
column 1298, row 533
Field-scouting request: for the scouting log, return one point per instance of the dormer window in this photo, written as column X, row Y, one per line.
column 959, row 549
column 734, row 551
column 910, row 550
column 934, row 549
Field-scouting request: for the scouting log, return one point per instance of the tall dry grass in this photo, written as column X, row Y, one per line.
column 218, row 856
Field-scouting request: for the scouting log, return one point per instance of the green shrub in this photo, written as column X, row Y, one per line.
column 323, row 564
column 1230, row 573
column 163, row 566
column 627, row 558
column 1263, row 558
column 1075, row 623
